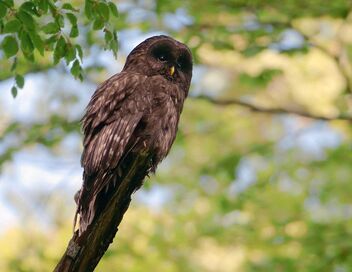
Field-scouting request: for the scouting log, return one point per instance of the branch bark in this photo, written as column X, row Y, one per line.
column 84, row 252
column 261, row 109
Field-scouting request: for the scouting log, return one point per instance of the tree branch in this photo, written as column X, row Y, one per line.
column 335, row 57
column 84, row 252
column 261, row 109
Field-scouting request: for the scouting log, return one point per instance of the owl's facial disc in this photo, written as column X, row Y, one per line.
column 164, row 55
column 173, row 61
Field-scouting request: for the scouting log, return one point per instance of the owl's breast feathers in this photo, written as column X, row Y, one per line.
column 163, row 114
column 123, row 106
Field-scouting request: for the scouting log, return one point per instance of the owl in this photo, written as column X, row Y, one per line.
column 136, row 110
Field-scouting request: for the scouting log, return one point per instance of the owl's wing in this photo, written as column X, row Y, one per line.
column 106, row 100
column 109, row 121
column 111, row 117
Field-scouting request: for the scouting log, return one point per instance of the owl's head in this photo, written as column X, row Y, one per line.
column 162, row 55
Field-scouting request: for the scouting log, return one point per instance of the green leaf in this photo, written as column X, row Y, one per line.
column 10, row 46
column 12, row 26
column 9, row 3
column 19, row 81
column 113, row 9
column 114, row 44
column 108, row 36
column 26, row 19
column 70, row 54
column 88, row 9
column 26, row 43
column 59, row 19
column 14, row 91
column 51, row 28
column 111, row 41
column 79, row 51
column 59, row 50
column 74, row 32
column 49, row 43
column 76, row 70
column 29, row 56
column 103, row 10
column 68, row 6
column 3, row 10
column 72, row 18
column 38, row 42
column 98, row 24
column 43, row 5
column 29, row 7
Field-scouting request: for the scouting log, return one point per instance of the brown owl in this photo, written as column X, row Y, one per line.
column 137, row 109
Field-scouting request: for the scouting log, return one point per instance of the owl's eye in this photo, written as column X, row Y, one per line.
column 179, row 64
column 183, row 62
column 162, row 57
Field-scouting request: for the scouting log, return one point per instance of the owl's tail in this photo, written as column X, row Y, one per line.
column 85, row 217
column 92, row 198
column 85, row 213
column 86, row 201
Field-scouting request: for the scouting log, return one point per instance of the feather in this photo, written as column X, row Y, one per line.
column 108, row 127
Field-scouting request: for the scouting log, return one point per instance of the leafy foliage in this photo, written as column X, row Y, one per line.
column 40, row 27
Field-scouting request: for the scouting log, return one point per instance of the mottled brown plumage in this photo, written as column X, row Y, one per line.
column 134, row 111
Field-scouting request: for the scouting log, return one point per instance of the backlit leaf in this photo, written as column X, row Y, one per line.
column 10, row 46
column 19, row 81
column 103, row 10
column 76, row 70
column 29, row 7
column 98, row 24
column 14, row 91
column 26, row 42
column 26, row 19
column 79, row 51
column 74, row 32
column 12, row 26
column 60, row 49
column 51, row 28
column 113, row 9
column 72, row 18
column 37, row 42
column 3, row 10
column 68, row 6
column 88, row 9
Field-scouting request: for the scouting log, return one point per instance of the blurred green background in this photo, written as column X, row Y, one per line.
column 260, row 176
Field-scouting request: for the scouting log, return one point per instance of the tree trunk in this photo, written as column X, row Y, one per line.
column 84, row 252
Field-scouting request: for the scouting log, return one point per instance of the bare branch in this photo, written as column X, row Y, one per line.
column 84, row 252
column 261, row 109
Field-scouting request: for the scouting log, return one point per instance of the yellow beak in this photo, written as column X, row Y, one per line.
column 172, row 70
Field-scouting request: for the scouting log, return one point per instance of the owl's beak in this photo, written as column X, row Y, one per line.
column 172, row 70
